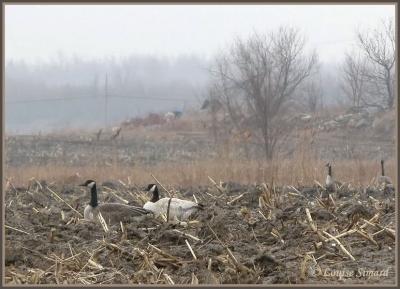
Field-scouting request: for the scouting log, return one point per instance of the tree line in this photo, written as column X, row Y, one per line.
column 261, row 81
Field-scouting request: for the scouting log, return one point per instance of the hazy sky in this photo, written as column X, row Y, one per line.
column 41, row 32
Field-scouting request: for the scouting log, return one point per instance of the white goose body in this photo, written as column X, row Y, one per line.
column 111, row 212
column 178, row 208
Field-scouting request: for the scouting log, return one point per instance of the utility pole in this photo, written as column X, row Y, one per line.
column 106, row 102
column 213, row 110
column 184, row 106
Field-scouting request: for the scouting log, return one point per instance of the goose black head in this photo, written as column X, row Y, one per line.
column 89, row 183
column 152, row 188
column 93, row 196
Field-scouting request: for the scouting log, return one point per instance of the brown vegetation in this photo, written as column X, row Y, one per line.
column 300, row 171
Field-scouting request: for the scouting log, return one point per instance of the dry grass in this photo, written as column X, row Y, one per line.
column 299, row 171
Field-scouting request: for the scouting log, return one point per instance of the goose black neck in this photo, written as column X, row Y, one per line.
column 329, row 170
column 383, row 169
column 156, row 196
column 93, row 197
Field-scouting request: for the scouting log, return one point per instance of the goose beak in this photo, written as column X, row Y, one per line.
column 82, row 185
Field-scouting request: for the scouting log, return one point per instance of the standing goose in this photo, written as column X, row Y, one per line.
column 111, row 212
column 180, row 209
column 384, row 180
column 330, row 181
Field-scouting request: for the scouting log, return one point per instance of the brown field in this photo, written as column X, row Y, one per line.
column 247, row 234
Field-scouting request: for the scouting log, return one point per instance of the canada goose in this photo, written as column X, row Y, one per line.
column 111, row 212
column 180, row 209
column 330, row 181
column 98, row 134
column 384, row 180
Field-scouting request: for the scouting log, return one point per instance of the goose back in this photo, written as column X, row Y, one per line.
column 115, row 212
column 180, row 209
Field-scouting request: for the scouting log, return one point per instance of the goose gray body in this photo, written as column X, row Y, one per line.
column 382, row 179
column 111, row 212
column 330, row 182
column 178, row 208
column 115, row 212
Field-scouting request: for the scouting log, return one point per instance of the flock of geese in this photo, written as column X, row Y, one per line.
column 331, row 183
column 114, row 212
column 173, row 207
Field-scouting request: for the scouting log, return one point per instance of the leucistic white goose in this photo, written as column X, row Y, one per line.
column 384, row 180
column 111, row 212
column 178, row 208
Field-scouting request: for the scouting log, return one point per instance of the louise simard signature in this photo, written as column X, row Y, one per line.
column 358, row 273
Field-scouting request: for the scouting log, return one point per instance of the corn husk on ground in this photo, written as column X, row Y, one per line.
column 259, row 233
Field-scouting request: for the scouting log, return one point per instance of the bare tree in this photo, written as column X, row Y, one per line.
column 378, row 46
column 212, row 104
column 311, row 94
column 353, row 71
column 257, row 78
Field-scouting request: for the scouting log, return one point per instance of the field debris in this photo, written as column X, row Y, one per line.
column 261, row 234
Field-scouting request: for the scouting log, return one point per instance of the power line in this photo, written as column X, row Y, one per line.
column 153, row 98
column 96, row 98
column 47, row 99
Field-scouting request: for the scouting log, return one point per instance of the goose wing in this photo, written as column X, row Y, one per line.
column 179, row 203
column 384, row 180
column 328, row 181
column 188, row 205
column 121, row 209
column 178, row 208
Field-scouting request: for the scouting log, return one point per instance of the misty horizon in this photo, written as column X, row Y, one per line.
column 159, row 56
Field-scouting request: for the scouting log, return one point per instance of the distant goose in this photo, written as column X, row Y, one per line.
column 111, row 212
column 384, row 180
column 330, row 181
column 180, row 209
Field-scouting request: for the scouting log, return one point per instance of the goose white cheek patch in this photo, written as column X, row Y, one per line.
column 153, row 188
column 90, row 185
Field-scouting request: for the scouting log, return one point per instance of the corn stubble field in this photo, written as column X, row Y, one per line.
column 264, row 222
